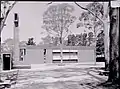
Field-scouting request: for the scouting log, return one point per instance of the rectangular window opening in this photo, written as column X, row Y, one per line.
column 22, row 54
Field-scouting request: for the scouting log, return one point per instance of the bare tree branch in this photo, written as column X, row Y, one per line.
column 89, row 11
column 84, row 9
column 9, row 9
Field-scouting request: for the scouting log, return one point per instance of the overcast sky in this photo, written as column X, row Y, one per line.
column 30, row 19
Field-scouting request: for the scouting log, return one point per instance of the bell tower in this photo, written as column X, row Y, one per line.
column 16, row 38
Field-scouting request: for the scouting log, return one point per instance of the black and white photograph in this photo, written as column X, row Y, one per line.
column 59, row 44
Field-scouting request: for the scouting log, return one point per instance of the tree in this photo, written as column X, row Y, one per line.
column 91, row 22
column 65, row 42
column 6, row 7
column 114, row 64
column 100, row 12
column 47, row 39
column 84, row 39
column 104, row 11
column 7, row 45
column 56, row 21
column 79, row 39
column 100, row 44
column 30, row 41
column 56, row 41
column 71, row 40
column 90, row 38
column 50, row 40
column 22, row 43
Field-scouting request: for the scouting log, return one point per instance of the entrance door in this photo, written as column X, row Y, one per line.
column 6, row 62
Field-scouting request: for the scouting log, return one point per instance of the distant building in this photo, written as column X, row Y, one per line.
column 30, row 55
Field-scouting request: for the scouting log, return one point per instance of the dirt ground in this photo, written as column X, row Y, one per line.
column 60, row 78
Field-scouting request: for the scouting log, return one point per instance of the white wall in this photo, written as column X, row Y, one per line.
column 49, row 56
column 34, row 56
column 86, row 56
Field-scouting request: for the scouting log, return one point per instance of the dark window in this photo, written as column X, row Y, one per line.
column 44, row 51
column 21, row 59
column 24, row 51
column 44, row 55
column 22, row 54
column 65, row 52
column 70, row 61
column 56, row 61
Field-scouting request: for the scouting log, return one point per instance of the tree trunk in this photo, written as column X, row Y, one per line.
column 106, row 27
column 114, row 46
column 0, row 38
column 0, row 56
column 95, row 45
column 106, row 45
column 61, row 53
column 95, row 35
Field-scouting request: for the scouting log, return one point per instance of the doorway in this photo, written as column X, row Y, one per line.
column 6, row 62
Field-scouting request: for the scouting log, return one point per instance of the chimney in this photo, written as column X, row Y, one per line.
column 16, row 38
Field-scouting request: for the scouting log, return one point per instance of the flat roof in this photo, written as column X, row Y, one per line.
column 57, row 47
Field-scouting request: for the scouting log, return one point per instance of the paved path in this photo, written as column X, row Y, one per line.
column 58, row 78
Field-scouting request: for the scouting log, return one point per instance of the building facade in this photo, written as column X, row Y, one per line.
column 31, row 55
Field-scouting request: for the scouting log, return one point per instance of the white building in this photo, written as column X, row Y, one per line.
column 31, row 55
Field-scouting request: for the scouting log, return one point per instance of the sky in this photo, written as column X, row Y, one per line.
column 31, row 18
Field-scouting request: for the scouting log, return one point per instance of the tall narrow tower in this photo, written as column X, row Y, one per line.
column 16, row 38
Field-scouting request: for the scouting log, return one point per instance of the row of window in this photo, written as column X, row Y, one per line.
column 66, row 61
column 23, row 52
column 56, row 53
